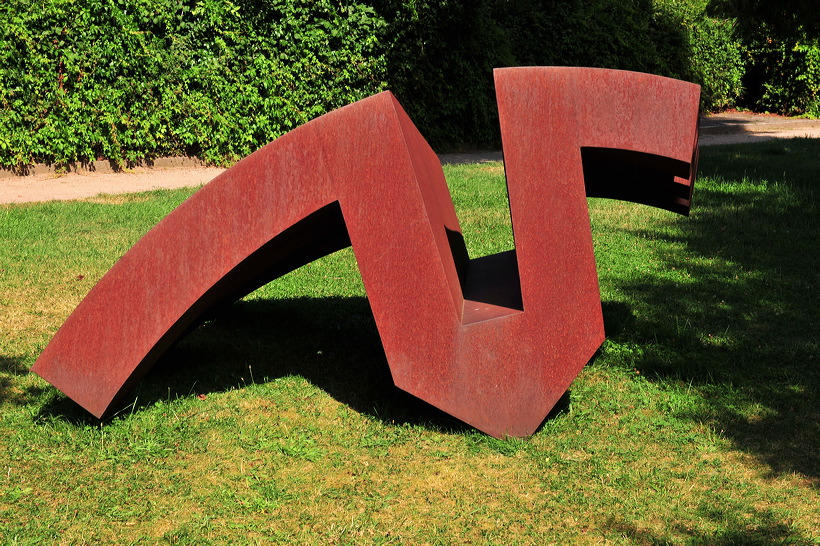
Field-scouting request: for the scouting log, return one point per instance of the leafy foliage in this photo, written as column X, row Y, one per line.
column 440, row 59
column 782, row 53
column 441, row 53
column 133, row 80
column 674, row 38
column 715, row 59
column 784, row 76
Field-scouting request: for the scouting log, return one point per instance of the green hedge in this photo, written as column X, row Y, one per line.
column 136, row 79
column 440, row 55
column 784, row 77
column 781, row 45
column 442, row 52
column 783, row 74
column 129, row 80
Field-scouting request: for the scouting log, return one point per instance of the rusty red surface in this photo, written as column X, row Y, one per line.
column 493, row 341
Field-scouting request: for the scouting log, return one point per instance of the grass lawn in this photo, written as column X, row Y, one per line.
column 698, row 421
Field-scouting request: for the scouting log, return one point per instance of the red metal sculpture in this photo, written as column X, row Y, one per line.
column 493, row 341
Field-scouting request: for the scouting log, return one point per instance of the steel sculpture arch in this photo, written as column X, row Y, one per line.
column 493, row 341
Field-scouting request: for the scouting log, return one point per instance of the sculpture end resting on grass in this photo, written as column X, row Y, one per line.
column 493, row 341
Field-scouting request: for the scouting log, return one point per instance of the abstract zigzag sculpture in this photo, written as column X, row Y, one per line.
column 493, row 341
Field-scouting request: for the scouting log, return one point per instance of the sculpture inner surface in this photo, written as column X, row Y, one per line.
column 493, row 341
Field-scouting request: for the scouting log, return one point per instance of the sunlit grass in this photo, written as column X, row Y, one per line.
column 696, row 422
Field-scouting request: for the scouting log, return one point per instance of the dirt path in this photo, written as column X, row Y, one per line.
column 63, row 187
column 731, row 128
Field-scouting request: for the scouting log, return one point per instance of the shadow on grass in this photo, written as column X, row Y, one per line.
column 332, row 342
column 742, row 324
column 761, row 528
column 9, row 367
column 11, row 392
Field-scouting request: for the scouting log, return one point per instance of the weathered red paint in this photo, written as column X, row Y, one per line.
column 493, row 341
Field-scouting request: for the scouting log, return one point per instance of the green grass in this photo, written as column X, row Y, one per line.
column 698, row 420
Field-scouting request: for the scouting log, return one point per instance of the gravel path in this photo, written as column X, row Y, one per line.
column 45, row 185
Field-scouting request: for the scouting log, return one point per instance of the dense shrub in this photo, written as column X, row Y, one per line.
column 712, row 54
column 781, row 42
column 672, row 38
column 440, row 58
column 442, row 52
column 716, row 62
column 784, row 76
column 128, row 80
